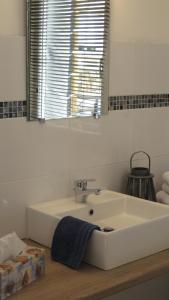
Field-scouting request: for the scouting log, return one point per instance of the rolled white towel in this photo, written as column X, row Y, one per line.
column 162, row 197
column 165, row 187
column 166, row 177
column 10, row 246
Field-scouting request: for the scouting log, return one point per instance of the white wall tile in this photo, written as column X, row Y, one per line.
column 17, row 195
column 150, row 130
column 13, row 68
column 99, row 142
column 140, row 20
column 29, row 149
column 12, row 17
column 121, row 69
column 138, row 68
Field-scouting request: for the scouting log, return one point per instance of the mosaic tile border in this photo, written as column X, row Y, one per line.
column 138, row 101
column 12, row 109
column 15, row 109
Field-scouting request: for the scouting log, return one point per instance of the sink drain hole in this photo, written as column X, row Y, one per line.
column 108, row 229
column 91, row 212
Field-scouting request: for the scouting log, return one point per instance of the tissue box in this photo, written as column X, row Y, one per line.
column 21, row 270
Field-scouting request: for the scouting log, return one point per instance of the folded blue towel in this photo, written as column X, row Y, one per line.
column 70, row 241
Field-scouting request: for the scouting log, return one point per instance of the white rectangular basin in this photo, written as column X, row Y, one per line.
column 140, row 227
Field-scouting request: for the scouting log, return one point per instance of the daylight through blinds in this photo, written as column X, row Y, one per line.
column 67, row 58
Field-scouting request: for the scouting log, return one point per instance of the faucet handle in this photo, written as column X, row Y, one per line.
column 81, row 184
column 90, row 180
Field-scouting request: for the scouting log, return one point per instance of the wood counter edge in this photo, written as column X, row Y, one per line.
column 90, row 283
column 137, row 272
column 125, row 285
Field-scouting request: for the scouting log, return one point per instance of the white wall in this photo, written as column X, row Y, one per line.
column 140, row 20
column 39, row 162
column 12, row 68
column 139, row 47
column 12, row 50
column 12, row 17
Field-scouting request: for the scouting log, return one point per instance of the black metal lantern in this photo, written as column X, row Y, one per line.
column 140, row 181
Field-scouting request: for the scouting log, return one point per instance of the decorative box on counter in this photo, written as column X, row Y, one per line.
column 21, row 271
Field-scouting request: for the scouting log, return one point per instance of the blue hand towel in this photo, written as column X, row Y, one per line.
column 70, row 241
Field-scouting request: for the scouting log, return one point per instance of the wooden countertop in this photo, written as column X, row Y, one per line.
column 90, row 283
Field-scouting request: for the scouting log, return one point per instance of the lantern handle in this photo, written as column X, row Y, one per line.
column 148, row 156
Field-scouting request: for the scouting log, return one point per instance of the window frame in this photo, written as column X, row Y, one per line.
column 105, row 73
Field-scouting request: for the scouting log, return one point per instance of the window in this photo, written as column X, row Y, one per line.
column 67, row 51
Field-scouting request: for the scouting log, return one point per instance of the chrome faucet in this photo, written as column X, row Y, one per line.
column 82, row 191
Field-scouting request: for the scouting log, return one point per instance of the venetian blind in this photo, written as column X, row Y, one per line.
column 67, row 52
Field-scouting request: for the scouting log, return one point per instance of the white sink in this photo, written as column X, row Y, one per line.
column 140, row 227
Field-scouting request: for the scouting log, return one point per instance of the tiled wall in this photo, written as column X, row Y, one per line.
column 138, row 68
column 12, row 109
column 138, row 101
column 39, row 162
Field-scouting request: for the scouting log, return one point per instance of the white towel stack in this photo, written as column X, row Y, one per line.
column 163, row 196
